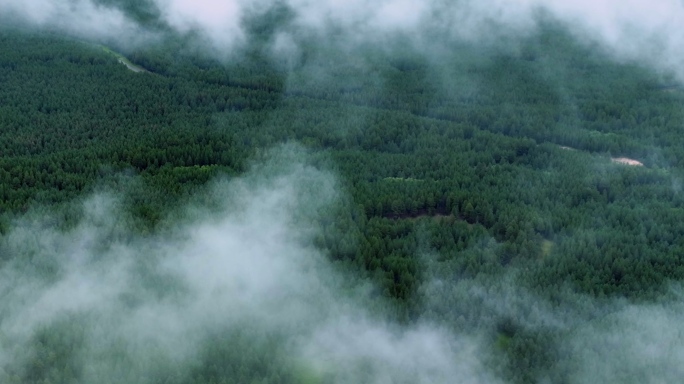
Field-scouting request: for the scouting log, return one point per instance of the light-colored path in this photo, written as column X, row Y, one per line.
column 123, row 60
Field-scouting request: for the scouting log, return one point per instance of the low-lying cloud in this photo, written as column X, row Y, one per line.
column 82, row 18
column 633, row 344
column 97, row 303
column 633, row 30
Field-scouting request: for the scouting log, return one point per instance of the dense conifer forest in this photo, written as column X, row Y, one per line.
column 471, row 174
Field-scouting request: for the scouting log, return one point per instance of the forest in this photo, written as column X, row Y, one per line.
column 477, row 192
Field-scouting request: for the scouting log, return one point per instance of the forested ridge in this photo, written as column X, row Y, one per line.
column 489, row 163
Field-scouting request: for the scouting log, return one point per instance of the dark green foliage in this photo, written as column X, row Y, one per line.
column 468, row 168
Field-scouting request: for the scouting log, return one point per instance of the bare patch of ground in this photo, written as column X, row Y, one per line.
column 627, row 161
column 619, row 160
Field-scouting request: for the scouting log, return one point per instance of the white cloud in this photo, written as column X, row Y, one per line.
column 218, row 20
column 645, row 31
column 250, row 264
column 637, row 344
column 79, row 17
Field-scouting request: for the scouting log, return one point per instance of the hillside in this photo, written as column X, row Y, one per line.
column 444, row 183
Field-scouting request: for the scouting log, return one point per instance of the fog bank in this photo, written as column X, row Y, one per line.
column 632, row 30
column 98, row 303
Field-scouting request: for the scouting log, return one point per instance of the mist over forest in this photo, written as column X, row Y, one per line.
column 288, row 191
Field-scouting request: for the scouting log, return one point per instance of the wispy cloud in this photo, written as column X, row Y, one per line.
column 250, row 265
column 79, row 17
column 634, row 30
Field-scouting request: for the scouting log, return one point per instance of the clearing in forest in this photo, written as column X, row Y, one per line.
column 619, row 160
column 627, row 161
